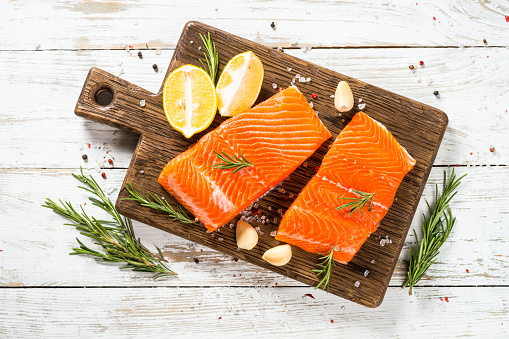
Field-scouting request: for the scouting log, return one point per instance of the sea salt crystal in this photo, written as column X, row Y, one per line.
column 220, row 239
column 270, row 208
column 158, row 51
column 273, row 233
column 199, row 48
column 119, row 63
column 274, row 85
column 231, row 225
column 332, row 96
column 37, row 45
column 289, row 69
column 308, row 79
column 257, row 229
column 302, row 80
column 111, row 190
column 191, row 42
column 311, row 104
column 366, row 272
column 297, row 76
column 293, row 81
column 142, row 171
column 263, row 217
column 357, row 283
column 207, row 231
column 361, row 106
column 142, row 103
column 360, row 99
column 373, row 261
column 275, row 220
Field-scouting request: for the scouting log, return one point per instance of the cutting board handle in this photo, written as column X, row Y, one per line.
column 111, row 100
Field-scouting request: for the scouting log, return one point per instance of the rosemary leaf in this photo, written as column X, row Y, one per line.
column 148, row 199
column 211, row 56
column 232, row 161
column 436, row 229
column 116, row 237
column 358, row 202
column 325, row 268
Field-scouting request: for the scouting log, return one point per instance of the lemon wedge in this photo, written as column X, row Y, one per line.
column 189, row 100
column 239, row 84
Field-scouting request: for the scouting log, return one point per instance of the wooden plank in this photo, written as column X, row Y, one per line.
column 43, row 133
column 37, row 241
column 110, row 24
column 418, row 128
column 241, row 312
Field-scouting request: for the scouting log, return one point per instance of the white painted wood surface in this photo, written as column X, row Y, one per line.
column 46, row 49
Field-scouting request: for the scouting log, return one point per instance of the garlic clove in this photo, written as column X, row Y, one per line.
column 343, row 99
column 247, row 237
column 279, row 255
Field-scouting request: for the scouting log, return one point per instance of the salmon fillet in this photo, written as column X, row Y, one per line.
column 365, row 157
column 276, row 136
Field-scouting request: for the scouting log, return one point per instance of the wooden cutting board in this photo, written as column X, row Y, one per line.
column 418, row 127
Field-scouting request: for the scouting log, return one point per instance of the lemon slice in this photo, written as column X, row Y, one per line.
column 239, row 84
column 189, row 100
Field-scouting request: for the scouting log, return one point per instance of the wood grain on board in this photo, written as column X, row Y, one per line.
column 418, row 127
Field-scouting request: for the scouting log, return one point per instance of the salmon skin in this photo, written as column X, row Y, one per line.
column 365, row 157
column 276, row 136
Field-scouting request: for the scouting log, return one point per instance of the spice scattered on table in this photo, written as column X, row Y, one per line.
column 507, row 18
column 103, row 175
column 484, row 41
column 154, row 66
column 492, row 149
column 110, row 161
column 142, row 103
column 411, row 66
column 84, row 157
column 446, row 299
column 140, row 55
column 421, row 63
column 196, row 260
column 467, row 270
column 332, row 321
column 273, row 25
column 436, row 93
column 313, row 95
column 309, row 295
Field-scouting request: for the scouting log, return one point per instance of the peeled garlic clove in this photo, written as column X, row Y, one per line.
column 343, row 99
column 247, row 237
column 279, row 255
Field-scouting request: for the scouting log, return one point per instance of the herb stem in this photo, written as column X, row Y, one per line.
column 232, row 161
column 436, row 229
column 325, row 268
column 358, row 202
column 211, row 56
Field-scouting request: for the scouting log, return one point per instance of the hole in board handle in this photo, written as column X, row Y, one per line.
column 104, row 96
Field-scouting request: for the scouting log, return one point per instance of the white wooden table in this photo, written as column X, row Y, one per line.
column 46, row 49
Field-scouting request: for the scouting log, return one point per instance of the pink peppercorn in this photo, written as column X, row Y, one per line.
column 103, row 175
column 507, row 18
column 313, row 95
column 110, row 161
column 421, row 63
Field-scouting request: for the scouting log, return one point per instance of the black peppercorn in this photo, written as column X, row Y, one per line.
column 196, row 260
column 140, row 55
column 84, row 157
column 154, row 66
column 273, row 25
column 436, row 93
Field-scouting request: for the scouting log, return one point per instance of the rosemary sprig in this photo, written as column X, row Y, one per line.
column 436, row 230
column 116, row 237
column 232, row 161
column 326, row 268
column 211, row 56
column 358, row 202
column 148, row 199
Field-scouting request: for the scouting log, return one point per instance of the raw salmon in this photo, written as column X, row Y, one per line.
column 365, row 157
column 276, row 136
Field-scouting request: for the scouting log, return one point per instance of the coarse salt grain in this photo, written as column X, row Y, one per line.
column 119, row 63
column 332, row 96
column 274, row 85
column 199, row 48
column 361, row 106
column 142, row 103
column 289, row 69
column 366, row 272
column 158, row 51
column 360, row 99
column 357, row 283
column 373, row 261
column 311, row 104
column 308, row 79
column 273, row 233
column 142, row 171
column 191, row 42
column 297, row 76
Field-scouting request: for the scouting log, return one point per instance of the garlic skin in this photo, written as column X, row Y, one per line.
column 279, row 255
column 247, row 237
column 343, row 99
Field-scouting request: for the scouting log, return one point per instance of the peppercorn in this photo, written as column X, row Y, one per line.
column 154, row 66
column 273, row 25
column 110, row 161
column 84, row 157
column 484, row 41
column 140, row 55
column 103, row 175
column 411, row 66
column 313, row 95
column 492, row 149
column 196, row 260
column 421, row 63
column 436, row 93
